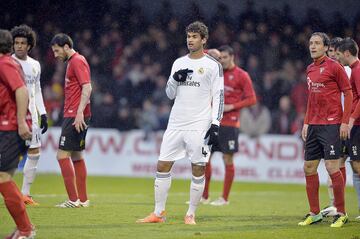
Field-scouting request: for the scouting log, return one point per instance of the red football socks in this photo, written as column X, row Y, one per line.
column 338, row 188
column 229, row 178
column 13, row 201
column 207, row 180
column 68, row 174
column 312, row 190
column 80, row 173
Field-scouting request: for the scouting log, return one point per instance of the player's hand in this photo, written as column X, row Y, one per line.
column 351, row 124
column 344, row 131
column 79, row 122
column 304, row 132
column 212, row 134
column 24, row 131
column 181, row 75
column 228, row 107
column 43, row 123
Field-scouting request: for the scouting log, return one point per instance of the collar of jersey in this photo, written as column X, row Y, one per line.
column 354, row 64
column 320, row 60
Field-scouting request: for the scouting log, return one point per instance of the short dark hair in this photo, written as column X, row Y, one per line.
column 61, row 39
column 350, row 45
column 6, row 41
column 334, row 42
column 227, row 49
column 324, row 37
column 198, row 27
column 26, row 32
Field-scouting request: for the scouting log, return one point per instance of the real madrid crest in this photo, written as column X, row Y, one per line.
column 201, row 70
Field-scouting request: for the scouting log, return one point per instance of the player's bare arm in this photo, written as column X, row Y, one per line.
column 344, row 127
column 22, row 99
column 79, row 121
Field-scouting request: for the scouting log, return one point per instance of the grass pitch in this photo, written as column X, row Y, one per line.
column 255, row 211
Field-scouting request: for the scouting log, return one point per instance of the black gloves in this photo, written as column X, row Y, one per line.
column 181, row 75
column 43, row 124
column 212, row 134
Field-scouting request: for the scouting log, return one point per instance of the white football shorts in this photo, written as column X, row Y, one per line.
column 35, row 141
column 178, row 144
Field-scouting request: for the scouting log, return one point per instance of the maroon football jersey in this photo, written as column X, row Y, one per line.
column 11, row 78
column 77, row 74
column 326, row 80
column 237, row 86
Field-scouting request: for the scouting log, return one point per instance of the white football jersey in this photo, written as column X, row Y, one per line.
column 348, row 73
column 199, row 101
column 32, row 71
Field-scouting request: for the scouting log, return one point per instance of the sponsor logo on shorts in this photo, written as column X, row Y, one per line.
column 354, row 149
column 82, row 143
column 62, row 140
column 332, row 151
column 203, row 151
column 231, row 144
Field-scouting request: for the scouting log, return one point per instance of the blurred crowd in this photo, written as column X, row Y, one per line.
column 131, row 56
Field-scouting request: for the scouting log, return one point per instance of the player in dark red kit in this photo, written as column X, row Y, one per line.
column 347, row 53
column 13, row 131
column 325, row 125
column 76, row 120
column 238, row 93
column 330, row 210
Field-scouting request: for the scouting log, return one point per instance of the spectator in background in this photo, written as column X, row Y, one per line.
column 148, row 120
column 255, row 120
column 284, row 117
column 125, row 120
column 105, row 115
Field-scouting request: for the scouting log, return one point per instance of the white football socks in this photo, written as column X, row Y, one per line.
column 330, row 191
column 196, row 190
column 29, row 172
column 161, row 188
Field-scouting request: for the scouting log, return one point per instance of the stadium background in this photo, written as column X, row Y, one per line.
column 130, row 46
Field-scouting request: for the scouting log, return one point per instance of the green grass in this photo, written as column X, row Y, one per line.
column 256, row 211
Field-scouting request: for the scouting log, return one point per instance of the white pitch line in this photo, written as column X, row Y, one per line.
column 259, row 193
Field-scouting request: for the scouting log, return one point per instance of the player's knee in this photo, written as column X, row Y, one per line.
column 164, row 166
column 198, row 170
column 332, row 166
column 356, row 166
column 33, row 151
column 309, row 169
column 61, row 154
column 6, row 176
column 228, row 159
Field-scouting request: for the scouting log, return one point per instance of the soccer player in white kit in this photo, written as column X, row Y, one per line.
column 24, row 39
column 197, row 85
